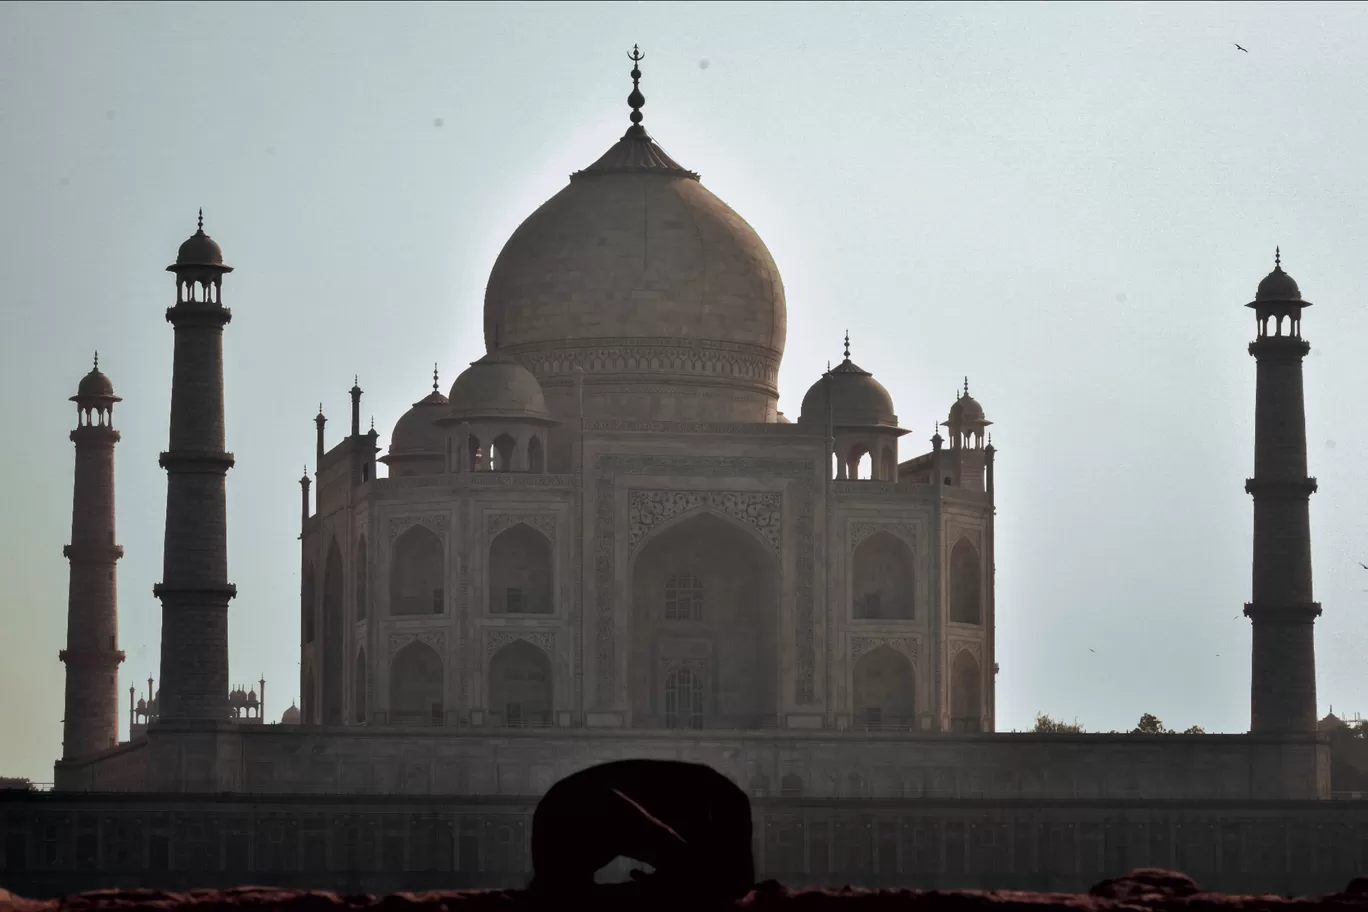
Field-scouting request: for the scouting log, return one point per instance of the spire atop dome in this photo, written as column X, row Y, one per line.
column 636, row 150
column 847, row 345
column 97, row 359
column 434, row 376
column 636, row 100
column 1278, row 287
column 966, row 386
column 200, row 250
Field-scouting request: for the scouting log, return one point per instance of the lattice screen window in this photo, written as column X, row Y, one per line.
column 684, row 699
column 684, row 598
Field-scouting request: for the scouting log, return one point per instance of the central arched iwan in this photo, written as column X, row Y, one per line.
column 705, row 594
column 520, row 572
column 520, row 692
column 882, row 579
column 417, row 569
column 416, row 686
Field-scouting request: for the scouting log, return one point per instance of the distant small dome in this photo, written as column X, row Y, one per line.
column 142, row 703
column 1330, row 723
column 966, row 410
column 95, row 385
column 1276, row 287
column 496, row 386
column 252, row 698
column 851, row 396
column 290, row 716
column 417, row 430
column 199, row 250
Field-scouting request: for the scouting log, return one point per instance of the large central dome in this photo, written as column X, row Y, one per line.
column 658, row 290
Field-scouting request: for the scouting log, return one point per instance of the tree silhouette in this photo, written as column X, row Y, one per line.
column 1047, row 726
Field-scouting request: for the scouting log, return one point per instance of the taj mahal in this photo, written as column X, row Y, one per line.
column 604, row 540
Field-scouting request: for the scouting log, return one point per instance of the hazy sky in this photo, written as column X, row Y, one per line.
column 1069, row 203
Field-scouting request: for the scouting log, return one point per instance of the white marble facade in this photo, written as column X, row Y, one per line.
column 608, row 523
column 787, row 598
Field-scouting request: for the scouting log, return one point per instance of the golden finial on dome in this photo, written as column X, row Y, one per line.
column 636, row 99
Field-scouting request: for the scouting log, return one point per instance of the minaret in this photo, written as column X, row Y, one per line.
column 195, row 591
column 92, row 654
column 1283, row 681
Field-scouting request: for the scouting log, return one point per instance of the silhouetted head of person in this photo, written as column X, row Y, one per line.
column 690, row 823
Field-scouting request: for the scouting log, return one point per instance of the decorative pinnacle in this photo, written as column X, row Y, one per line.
column 97, row 359
column 847, row 345
column 372, row 422
column 636, row 99
column 966, row 386
column 1277, row 258
column 434, row 376
column 201, row 220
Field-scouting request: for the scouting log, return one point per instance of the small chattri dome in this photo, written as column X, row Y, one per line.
column 849, row 396
column 199, row 250
column 496, row 386
column 1277, row 287
column 966, row 410
column 290, row 716
column 95, row 385
column 966, row 413
column 417, row 430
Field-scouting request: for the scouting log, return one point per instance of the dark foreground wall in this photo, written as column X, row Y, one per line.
column 1140, row 891
column 53, row 843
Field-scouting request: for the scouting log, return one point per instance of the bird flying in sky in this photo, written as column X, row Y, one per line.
column 1238, row 48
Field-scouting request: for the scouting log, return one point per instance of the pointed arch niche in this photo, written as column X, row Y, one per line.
column 308, row 695
column 521, row 572
column 332, row 636
column 308, row 606
column 362, row 580
column 882, row 581
column 359, row 689
column 966, row 693
column 417, row 571
column 966, row 584
column 520, row 686
column 416, row 686
column 705, row 594
column 884, row 690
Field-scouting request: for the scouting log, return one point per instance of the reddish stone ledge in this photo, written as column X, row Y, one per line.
column 1145, row 889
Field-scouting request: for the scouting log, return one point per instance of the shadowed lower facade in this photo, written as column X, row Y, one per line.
column 605, row 541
